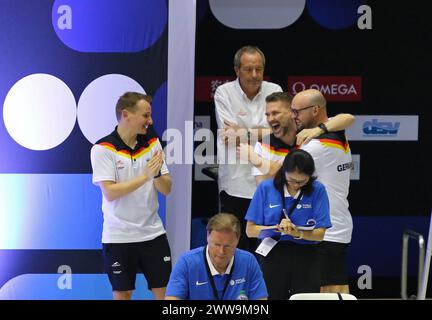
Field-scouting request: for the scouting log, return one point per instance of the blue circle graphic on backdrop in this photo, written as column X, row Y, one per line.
column 109, row 25
column 334, row 14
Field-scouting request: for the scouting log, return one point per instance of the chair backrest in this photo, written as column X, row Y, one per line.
column 323, row 296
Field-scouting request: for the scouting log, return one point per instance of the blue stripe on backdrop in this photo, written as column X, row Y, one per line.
column 51, row 211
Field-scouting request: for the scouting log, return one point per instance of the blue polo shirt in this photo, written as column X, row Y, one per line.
column 189, row 279
column 266, row 208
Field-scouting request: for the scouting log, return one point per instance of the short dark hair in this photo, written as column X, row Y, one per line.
column 129, row 100
column 296, row 160
column 250, row 50
column 224, row 222
column 280, row 96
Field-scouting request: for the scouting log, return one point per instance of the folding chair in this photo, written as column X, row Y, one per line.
column 322, row 296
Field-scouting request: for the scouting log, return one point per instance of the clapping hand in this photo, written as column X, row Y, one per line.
column 154, row 165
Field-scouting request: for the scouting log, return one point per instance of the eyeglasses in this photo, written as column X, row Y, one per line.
column 296, row 112
column 300, row 183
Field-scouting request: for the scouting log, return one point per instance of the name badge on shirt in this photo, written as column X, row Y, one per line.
column 266, row 246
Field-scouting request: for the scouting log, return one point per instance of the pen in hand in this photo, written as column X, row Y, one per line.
column 286, row 226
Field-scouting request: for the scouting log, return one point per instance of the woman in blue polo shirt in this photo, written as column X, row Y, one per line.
column 295, row 209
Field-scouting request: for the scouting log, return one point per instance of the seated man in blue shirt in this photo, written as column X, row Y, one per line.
column 218, row 271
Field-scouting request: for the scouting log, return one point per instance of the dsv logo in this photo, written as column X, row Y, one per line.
column 375, row 127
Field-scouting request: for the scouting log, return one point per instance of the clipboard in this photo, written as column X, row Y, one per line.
column 310, row 225
column 273, row 232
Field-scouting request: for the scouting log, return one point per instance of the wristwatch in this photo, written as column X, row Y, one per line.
column 158, row 175
column 323, row 127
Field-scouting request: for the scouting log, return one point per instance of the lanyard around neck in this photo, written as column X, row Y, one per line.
column 290, row 211
column 212, row 283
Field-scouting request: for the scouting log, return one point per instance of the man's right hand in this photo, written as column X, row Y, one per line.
column 306, row 135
